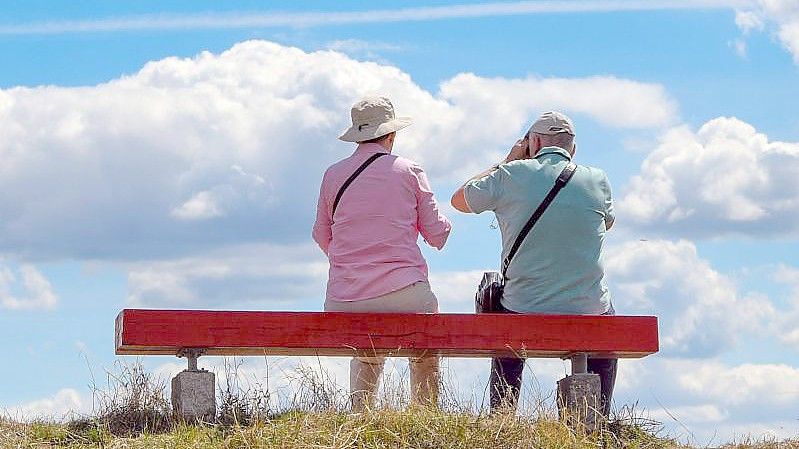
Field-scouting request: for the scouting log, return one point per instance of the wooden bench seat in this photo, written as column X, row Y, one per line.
column 167, row 332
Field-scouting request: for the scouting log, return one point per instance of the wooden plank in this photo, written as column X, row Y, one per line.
column 394, row 334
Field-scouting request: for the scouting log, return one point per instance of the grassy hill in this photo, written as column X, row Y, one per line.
column 417, row 428
column 133, row 412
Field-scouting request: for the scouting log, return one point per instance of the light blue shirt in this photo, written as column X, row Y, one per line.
column 558, row 268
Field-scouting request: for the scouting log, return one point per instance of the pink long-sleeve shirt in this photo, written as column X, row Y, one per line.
column 371, row 241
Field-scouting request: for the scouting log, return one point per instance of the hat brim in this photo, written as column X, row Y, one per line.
column 354, row 135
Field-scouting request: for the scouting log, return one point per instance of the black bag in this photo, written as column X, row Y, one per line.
column 489, row 292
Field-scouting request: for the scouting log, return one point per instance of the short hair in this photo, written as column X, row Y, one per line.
column 561, row 140
column 376, row 139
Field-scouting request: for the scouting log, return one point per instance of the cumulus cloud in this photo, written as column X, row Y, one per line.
column 725, row 178
column 752, row 384
column 596, row 96
column 748, row 21
column 701, row 312
column 65, row 404
column 780, row 15
column 692, row 414
column 220, row 149
column 455, row 289
column 262, row 276
column 27, row 289
column 788, row 322
column 707, row 402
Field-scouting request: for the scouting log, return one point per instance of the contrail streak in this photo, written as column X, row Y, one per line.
column 232, row 20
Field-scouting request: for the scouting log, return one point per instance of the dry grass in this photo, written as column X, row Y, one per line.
column 133, row 413
column 415, row 428
column 133, row 402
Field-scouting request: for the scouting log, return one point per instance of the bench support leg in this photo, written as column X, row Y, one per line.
column 193, row 391
column 579, row 397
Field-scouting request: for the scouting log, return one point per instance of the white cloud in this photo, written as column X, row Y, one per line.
column 691, row 414
column 248, row 276
column 609, row 100
column 701, row 312
column 788, row 321
column 358, row 45
column 192, row 154
column 740, row 47
column 726, row 178
column 63, row 405
column 200, row 206
column 749, row 20
column 255, row 276
column 707, row 402
column 455, row 290
column 749, row 384
column 780, row 15
column 32, row 292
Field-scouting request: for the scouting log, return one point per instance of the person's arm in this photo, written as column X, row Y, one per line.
column 519, row 151
column 432, row 224
column 458, row 199
column 322, row 232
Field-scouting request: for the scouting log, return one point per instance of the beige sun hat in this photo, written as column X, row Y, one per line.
column 551, row 123
column 373, row 117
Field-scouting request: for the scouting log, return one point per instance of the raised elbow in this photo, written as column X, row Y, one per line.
column 458, row 201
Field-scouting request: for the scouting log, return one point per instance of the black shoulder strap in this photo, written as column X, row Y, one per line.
column 352, row 178
column 562, row 180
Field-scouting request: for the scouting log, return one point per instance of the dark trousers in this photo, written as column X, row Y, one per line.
column 505, row 382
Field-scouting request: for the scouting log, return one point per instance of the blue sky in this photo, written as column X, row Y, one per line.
column 151, row 154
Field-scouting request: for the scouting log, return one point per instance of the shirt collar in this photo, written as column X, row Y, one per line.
column 546, row 151
column 370, row 148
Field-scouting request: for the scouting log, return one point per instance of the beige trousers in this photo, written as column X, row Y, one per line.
column 365, row 372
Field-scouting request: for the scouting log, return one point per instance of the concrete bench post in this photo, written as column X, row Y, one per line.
column 579, row 396
column 193, row 391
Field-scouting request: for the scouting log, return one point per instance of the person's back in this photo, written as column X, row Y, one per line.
column 558, row 267
column 373, row 247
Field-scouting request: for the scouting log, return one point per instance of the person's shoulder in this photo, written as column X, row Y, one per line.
column 592, row 178
column 404, row 162
column 405, row 165
column 594, row 172
column 336, row 167
column 520, row 164
column 521, row 167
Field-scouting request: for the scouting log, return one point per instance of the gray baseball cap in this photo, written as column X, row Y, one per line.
column 552, row 122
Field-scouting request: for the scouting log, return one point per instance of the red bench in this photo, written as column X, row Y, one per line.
column 166, row 332
column 192, row 333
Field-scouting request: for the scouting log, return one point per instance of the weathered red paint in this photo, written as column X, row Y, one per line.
column 396, row 334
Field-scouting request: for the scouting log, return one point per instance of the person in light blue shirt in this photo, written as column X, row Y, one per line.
column 558, row 268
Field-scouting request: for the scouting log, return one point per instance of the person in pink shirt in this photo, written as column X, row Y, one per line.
column 369, row 232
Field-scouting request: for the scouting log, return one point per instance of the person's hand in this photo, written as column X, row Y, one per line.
column 519, row 151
